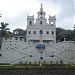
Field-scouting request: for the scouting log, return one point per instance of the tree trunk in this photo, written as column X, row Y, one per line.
column 1, row 41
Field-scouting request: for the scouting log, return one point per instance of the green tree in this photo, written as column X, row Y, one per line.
column 25, row 32
column 65, row 34
column 0, row 15
column 19, row 31
column 62, row 33
column 73, row 35
column 68, row 35
column 9, row 34
column 3, row 31
column 59, row 34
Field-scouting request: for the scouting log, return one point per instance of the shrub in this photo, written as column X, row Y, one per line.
column 21, row 62
column 51, row 62
column 61, row 62
column 44, row 61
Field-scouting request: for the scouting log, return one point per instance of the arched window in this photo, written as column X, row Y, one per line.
column 41, row 13
column 29, row 32
column 34, row 32
column 52, row 32
column 41, row 32
column 47, row 32
column 52, row 23
column 30, row 22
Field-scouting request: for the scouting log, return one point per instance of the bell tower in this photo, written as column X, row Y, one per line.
column 41, row 20
column 52, row 20
column 41, row 13
column 30, row 20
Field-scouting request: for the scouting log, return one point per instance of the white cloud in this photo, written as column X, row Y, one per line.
column 74, row 19
column 15, row 11
column 12, row 8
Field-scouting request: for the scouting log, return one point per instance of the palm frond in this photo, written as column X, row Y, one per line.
column 4, row 29
column 6, row 24
column 0, row 27
column 7, row 29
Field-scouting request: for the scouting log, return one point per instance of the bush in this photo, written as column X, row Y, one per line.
column 51, row 62
column 44, row 61
column 61, row 62
column 21, row 62
column 4, row 63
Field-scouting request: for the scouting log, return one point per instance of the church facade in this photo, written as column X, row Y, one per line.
column 40, row 45
column 41, row 28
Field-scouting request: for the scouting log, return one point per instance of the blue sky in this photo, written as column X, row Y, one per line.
column 15, row 12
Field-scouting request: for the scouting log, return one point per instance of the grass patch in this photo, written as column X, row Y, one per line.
column 37, row 66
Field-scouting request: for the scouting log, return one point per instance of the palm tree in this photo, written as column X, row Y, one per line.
column 0, row 15
column 3, row 30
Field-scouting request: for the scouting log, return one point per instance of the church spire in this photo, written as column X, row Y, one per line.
column 41, row 5
column 41, row 9
column 41, row 13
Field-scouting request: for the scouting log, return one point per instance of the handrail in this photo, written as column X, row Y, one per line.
column 19, row 58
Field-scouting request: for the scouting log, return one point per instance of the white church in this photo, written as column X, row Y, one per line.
column 40, row 44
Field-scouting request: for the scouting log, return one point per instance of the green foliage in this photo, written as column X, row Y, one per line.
column 51, row 62
column 4, row 29
column 21, row 62
column 4, row 32
column 19, row 31
column 61, row 62
column 37, row 66
column 62, row 33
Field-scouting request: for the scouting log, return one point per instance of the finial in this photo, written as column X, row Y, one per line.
column 41, row 5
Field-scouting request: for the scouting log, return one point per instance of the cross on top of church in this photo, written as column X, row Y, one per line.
column 41, row 5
